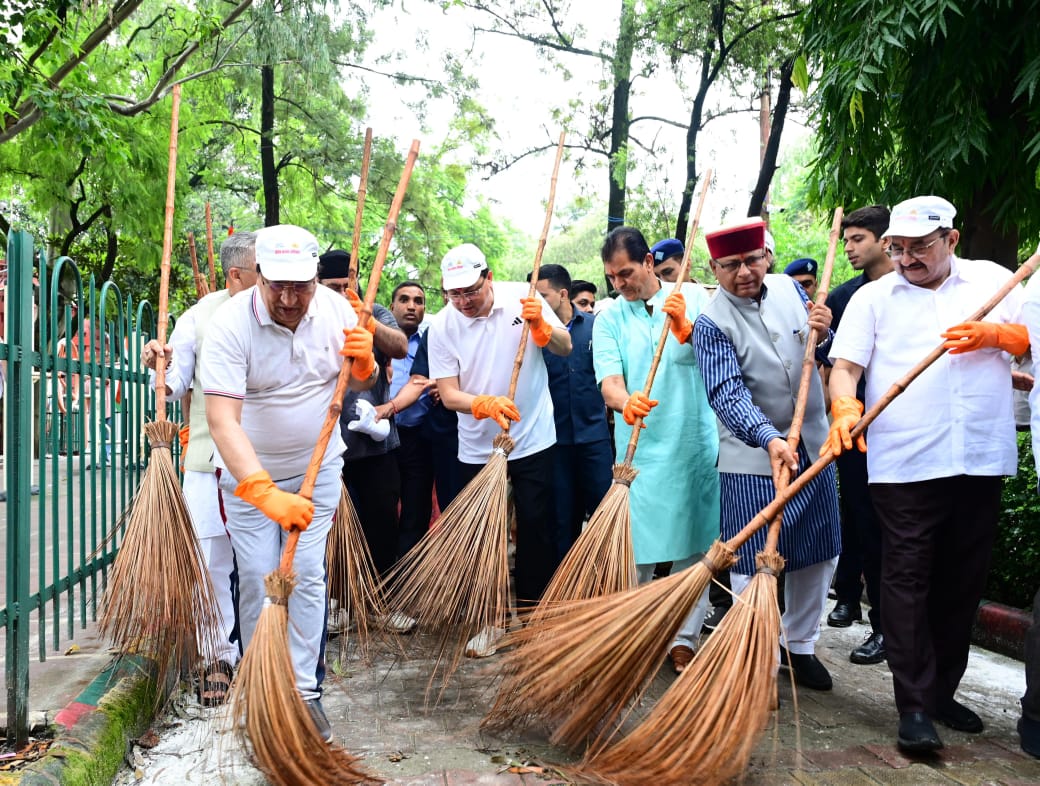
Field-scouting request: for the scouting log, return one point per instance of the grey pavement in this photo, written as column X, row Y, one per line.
column 378, row 711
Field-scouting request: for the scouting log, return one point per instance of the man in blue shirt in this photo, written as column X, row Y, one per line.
column 583, row 454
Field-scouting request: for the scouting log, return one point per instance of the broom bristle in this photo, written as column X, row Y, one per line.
column 455, row 581
column 159, row 599
column 601, row 561
column 705, row 727
column 274, row 725
column 352, row 578
column 582, row 663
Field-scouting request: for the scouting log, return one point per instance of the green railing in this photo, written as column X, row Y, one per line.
column 74, row 404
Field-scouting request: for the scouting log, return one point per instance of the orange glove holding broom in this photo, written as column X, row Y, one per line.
column 501, row 408
column 183, row 435
column 541, row 331
column 681, row 326
column 359, row 347
column 969, row 336
column 845, row 412
column 638, row 406
column 289, row 510
column 358, row 304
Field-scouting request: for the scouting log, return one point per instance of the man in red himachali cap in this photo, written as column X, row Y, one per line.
column 750, row 343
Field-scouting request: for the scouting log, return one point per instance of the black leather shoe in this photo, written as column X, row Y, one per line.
column 1029, row 735
column 870, row 651
column 844, row 614
column 807, row 671
column 958, row 717
column 917, row 734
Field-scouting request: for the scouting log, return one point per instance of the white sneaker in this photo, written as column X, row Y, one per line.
column 485, row 643
column 397, row 622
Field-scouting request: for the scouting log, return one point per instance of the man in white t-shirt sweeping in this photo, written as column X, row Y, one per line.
column 473, row 344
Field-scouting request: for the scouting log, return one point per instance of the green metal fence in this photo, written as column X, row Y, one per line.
column 74, row 404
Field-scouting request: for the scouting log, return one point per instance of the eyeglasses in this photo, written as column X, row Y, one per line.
column 465, row 295
column 917, row 252
column 296, row 287
column 750, row 261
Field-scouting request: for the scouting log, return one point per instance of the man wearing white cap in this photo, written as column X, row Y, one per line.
column 268, row 368
column 473, row 343
column 937, row 453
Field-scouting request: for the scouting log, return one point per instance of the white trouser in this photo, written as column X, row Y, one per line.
column 203, row 502
column 805, row 597
column 258, row 543
column 690, row 632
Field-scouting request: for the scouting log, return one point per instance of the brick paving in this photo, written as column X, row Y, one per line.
column 846, row 736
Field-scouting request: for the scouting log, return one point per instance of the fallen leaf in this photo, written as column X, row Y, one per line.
column 72, row 650
column 148, row 740
column 397, row 756
column 522, row 769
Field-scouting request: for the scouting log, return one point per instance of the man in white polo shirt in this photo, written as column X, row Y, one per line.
column 937, row 455
column 269, row 367
column 473, row 344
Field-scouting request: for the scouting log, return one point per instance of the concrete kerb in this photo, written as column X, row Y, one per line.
column 1001, row 628
column 93, row 731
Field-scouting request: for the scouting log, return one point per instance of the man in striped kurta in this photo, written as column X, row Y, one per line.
column 750, row 341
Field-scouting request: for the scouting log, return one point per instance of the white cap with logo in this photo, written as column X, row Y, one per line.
column 462, row 266
column 920, row 216
column 286, row 253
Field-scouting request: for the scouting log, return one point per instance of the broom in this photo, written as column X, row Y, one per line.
column 269, row 717
column 159, row 595
column 704, row 728
column 457, row 575
column 354, row 584
column 210, row 258
column 201, row 288
column 601, row 560
column 566, row 647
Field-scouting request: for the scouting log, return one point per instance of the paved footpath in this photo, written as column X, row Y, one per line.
column 846, row 736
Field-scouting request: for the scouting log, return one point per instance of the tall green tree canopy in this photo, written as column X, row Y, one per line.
column 931, row 96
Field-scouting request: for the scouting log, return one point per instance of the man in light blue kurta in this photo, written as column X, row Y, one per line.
column 674, row 500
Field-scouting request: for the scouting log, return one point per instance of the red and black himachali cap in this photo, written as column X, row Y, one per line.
column 742, row 238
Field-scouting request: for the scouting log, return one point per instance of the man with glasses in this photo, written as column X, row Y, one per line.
column 750, row 343
column 938, row 452
column 268, row 369
column 675, row 499
column 473, row 343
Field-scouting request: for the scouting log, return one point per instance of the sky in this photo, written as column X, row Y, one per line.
column 519, row 90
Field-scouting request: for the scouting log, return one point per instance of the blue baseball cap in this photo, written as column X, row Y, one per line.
column 801, row 266
column 666, row 249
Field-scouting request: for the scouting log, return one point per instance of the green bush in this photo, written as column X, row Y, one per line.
column 1015, row 573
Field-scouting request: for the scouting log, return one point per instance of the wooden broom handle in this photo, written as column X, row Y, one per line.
column 200, row 281
column 167, row 253
column 210, row 258
column 783, row 497
column 794, row 435
column 355, row 244
column 526, row 329
column 633, row 440
column 336, row 406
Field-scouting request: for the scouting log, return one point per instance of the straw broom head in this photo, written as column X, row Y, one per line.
column 291, row 753
column 557, row 675
column 705, row 727
column 159, row 599
column 352, row 579
column 455, row 581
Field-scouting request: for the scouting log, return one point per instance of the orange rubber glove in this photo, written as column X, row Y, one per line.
column 675, row 307
column 969, row 336
column 501, row 408
column 289, row 510
column 183, row 435
column 638, row 406
column 359, row 347
column 358, row 304
column 541, row 331
column 845, row 411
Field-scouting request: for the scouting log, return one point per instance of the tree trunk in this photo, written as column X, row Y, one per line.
column 980, row 238
column 696, row 117
column 268, row 171
column 765, row 174
column 617, row 167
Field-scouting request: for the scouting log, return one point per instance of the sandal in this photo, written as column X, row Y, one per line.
column 216, row 683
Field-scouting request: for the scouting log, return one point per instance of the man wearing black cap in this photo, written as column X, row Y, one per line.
column 804, row 271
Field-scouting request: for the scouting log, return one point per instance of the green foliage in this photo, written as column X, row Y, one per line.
column 1015, row 571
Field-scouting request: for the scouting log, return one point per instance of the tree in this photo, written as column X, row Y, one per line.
column 907, row 102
